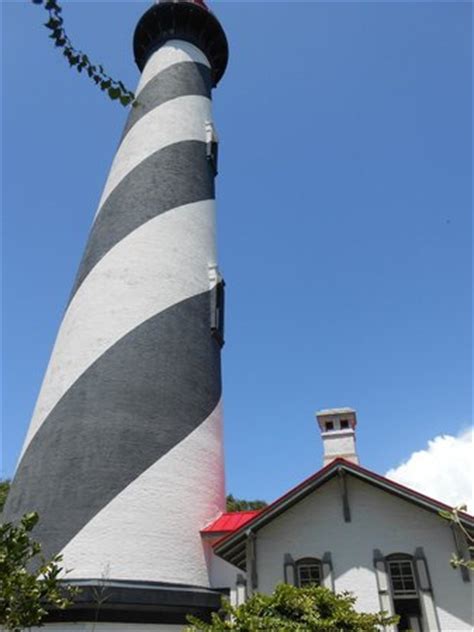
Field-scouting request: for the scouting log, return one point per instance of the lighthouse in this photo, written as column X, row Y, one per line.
column 123, row 459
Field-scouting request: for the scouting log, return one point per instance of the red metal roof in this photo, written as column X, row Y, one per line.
column 229, row 522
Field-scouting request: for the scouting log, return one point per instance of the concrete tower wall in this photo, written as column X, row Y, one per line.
column 123, row 459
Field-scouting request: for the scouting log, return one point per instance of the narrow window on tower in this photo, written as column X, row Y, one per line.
column 212, row 146
column 217, row 305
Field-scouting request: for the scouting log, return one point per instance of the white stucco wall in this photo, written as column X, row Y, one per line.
column 339, row 443
column 379, row 521
column 221, row 573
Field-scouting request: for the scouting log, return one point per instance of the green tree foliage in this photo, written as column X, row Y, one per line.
column 29, row 584
column 4, row 489
column 291, row 609
column 237, row 504
column 454, row 517
column 78, row 59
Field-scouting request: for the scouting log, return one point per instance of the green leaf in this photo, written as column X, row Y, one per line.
column 52, row 24
column 116, row 89
column 291, row 609
column 27, row 594
column 29, row 520
column 114, row 93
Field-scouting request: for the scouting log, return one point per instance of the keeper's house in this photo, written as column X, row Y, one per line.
column 348, row 528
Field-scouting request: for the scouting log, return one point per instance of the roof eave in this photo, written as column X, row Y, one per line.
column 237, row 540
column 279, row 506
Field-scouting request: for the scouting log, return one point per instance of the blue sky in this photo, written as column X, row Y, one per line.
column 344, row 204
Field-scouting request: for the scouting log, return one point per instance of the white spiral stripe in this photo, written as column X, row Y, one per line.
column 161, row 263
column 164, row 509
column 173, row 52
column 177, row 120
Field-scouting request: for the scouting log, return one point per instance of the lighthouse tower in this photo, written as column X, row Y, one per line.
column 123, row 458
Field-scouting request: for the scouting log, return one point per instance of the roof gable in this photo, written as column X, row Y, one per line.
column 232, row 546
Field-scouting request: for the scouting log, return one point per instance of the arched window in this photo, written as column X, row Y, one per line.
column 405, row 596
column 308, row 572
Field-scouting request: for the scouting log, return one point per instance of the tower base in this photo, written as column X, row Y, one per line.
column 120, row 605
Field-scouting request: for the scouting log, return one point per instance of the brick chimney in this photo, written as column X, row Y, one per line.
column 337, row 427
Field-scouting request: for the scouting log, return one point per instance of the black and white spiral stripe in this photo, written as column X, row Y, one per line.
column 123, row 457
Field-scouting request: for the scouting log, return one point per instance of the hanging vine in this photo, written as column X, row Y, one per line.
column 79, row 60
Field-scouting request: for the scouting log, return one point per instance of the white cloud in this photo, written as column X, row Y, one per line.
column 444, row 470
